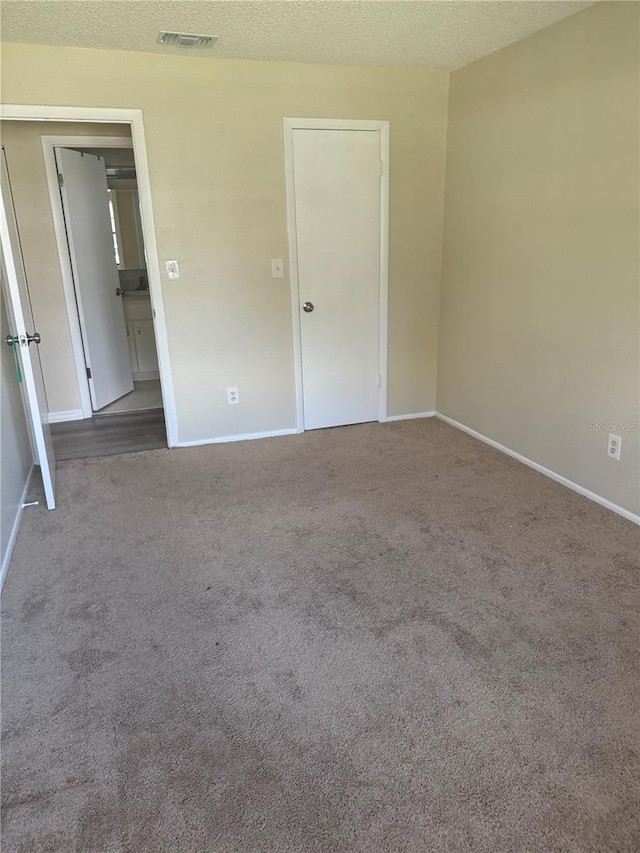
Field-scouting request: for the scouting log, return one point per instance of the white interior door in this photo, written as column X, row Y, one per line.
column 337, row 219
column 85, row 200
column 22, row 328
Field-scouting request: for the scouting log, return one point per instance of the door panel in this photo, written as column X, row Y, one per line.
column 21, row 324
column 337, row 212
column 85, row 201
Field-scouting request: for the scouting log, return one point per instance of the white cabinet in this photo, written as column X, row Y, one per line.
column 132, row 346
column 141, row 337
column 145, row 344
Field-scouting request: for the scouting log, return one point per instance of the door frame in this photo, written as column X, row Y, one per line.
column 134, row 118
column 49, row 143
column 291, row 124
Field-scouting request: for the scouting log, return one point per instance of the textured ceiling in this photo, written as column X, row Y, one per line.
column 435, row 34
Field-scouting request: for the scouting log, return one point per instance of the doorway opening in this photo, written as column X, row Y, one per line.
column 99, row 230
column 132, row 399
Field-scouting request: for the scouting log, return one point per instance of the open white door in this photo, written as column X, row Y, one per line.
column 23, row 335
column 85, row 201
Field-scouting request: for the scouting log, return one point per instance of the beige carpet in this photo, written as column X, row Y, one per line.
column 376, row 638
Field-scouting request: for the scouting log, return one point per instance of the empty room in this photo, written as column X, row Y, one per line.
column 320, row 426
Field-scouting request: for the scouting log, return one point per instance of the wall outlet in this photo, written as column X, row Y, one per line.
column 277, row 268
column 614, row 446
column 173, row 270
column 232, row 396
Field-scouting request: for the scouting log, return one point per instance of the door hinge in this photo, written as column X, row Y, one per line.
column 380, row 167
column 60, row 180
column 88, row 373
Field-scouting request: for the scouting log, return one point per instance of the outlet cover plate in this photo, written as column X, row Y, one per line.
column 614, row 446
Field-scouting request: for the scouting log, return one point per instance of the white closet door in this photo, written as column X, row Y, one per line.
column 337, row 215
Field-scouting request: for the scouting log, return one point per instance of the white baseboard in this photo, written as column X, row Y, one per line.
column 145, row 375
column 247, row 436
column 60, row 417
column 409, row 417
column 625, row 513
column 250, row 436
column 6, row 557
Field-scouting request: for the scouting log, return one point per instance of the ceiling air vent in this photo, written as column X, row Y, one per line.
column 186, row 39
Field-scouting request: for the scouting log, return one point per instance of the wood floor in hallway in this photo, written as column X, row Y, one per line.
column 106, row 435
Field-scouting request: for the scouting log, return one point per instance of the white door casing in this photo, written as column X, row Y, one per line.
column 337, row 196
column 21, row 325
column 85, row 202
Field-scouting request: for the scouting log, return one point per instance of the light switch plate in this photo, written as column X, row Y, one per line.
column 173, row 270
column 277, row 268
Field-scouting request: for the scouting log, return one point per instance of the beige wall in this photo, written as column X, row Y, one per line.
column 539, row 318
column 22, row 142
column 215, row 146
